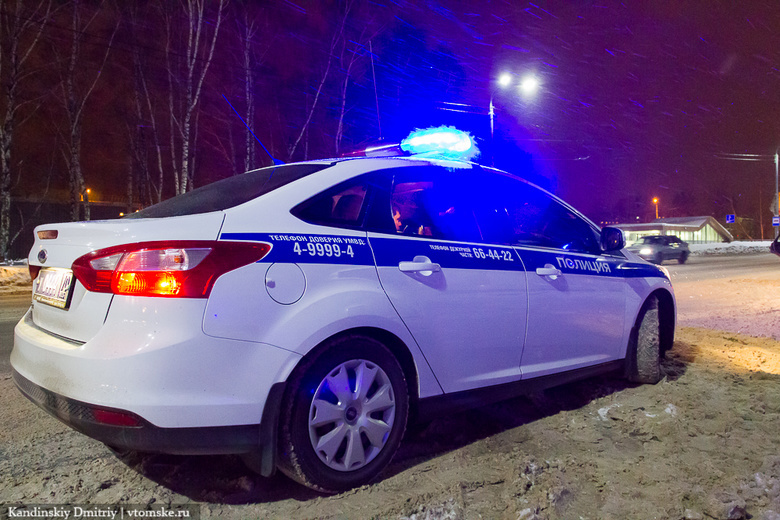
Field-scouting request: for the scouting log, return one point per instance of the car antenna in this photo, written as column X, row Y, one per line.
column 276, row 161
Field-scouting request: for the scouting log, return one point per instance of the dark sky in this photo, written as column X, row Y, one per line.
column 637, row 100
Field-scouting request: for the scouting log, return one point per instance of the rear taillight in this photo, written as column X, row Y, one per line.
column 183, row 269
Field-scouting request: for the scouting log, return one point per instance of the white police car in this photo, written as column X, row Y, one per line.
column 303, row 314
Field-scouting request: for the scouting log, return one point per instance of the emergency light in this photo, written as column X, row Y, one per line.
column 443, row 141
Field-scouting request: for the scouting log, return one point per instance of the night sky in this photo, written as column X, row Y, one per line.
column 637, row 99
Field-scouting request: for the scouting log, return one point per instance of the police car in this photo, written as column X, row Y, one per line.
column 303, row 314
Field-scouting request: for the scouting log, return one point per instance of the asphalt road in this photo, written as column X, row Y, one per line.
column 697, row 269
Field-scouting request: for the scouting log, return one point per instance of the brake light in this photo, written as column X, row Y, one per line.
column 180, row 269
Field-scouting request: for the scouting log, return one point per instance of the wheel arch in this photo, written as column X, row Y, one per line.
column 393, row 343
column 290, row 453
column 667, row 317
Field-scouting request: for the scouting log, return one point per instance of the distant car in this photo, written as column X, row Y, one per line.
column 658, row 248
column 775, row 247
column 299, row 314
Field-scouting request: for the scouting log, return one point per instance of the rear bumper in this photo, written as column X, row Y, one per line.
column 144, row 436
column 167, row 372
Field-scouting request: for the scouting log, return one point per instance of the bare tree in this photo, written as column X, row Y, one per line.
column 189, row 54
column 20, row 31
column 78, row 84
column 353, row 50
column 144, row 131
column 252, row 55
column 337, row 36
column 249, row 39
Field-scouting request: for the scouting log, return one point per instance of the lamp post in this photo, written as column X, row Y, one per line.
column 655, row 201
column 527, row 86
column 777, row 193
column 504, row 80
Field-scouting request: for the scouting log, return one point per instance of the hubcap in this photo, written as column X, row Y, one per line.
column 351, row 415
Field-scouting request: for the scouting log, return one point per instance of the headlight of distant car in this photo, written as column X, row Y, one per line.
column 645, row 251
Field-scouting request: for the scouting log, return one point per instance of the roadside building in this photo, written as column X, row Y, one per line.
column 694, row 230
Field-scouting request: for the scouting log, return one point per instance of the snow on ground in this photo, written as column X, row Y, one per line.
column 732, row 248
column 14, row 276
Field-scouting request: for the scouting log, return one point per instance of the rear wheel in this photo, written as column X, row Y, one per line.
column 683, row 258
column 643, row 359
column 344, row 415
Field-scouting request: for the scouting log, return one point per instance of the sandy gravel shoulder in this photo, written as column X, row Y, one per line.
column 703, row 443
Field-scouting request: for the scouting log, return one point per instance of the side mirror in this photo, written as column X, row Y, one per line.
column 612, row 239
column 775, row 247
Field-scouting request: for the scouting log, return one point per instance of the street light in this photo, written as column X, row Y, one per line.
column 655, row 201
column 528, row 85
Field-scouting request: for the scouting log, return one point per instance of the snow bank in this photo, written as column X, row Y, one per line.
column 14, row 277
column 732, row 248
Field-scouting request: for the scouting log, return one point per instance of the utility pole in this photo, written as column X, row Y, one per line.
column 777, row 195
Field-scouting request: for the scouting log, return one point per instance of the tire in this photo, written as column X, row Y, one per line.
column 332, row 444
column 683, row 258
column 643, row 360
column 658, row 258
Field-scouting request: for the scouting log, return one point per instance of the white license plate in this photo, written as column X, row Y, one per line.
column 53, row 287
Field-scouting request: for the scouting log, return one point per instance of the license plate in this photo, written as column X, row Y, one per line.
column 54, row 287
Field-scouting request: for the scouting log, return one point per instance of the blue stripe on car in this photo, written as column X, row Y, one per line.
column 351, row 250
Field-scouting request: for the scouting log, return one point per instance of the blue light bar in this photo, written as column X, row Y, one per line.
column 443, row 141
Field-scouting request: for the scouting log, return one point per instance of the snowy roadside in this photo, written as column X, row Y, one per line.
column 702, row 443
column 14, row 277
column 732, row 248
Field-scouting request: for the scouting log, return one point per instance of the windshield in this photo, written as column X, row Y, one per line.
column 229, row 192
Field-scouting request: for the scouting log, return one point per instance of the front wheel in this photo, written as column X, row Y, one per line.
column 344, row 415
column 643, row 358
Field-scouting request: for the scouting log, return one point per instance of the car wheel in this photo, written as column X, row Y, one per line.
column 658, row 258
column 643, row 363
column 344, row 415
column 683, row 258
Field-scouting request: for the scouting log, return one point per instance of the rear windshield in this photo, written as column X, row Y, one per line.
column 229, row 192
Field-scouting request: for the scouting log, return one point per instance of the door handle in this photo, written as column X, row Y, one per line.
column 549, row 270
column 420, row 264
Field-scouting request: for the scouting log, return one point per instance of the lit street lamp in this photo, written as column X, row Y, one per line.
column 527, row 86
column 655, row 201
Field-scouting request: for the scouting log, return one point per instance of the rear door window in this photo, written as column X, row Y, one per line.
column 434, row 202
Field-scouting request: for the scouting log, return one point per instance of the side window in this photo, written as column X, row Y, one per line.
column 513, row 212
column 343, row 206
column 433, row 202
column 566, row 230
